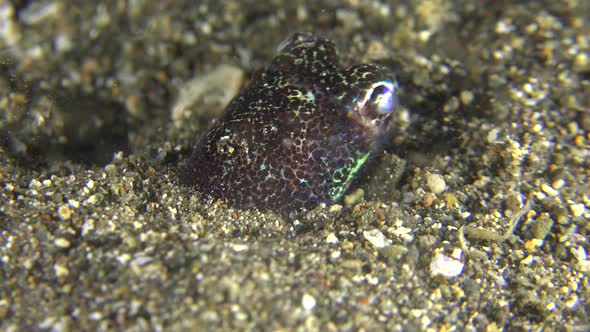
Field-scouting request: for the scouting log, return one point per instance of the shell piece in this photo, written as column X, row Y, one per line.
column 299, row 133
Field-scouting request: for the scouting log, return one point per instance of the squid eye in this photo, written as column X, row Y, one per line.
column 379, row 101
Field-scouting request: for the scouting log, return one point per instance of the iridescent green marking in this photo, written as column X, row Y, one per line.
column 337, row 192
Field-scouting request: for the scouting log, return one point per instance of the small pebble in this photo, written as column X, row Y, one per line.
column 92, row 199
column 493, row 135
column 581, row 62
column 466, row 97
column 577, row 209
column 579, row 253
column 335, row 208
column 335, row 255
column 239, row 247
column 401, row 231
column 533, row 244
column 61, row 270
column 537, row 128
column 547, row 189
column 436, row 183
column 573, row 127
column 404, row 233
column 541, row 227
column 354, row 197
column 308, row 302
column 528, row 260
column 34, row 184
column 111, row 169
column 64, row 212
column 331, row 238
column 428, row 200
column 558, row 184
column 62, row 243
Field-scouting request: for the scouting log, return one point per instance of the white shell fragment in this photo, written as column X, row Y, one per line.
column 376, row 238
column 446, row 266
column 221, row 84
